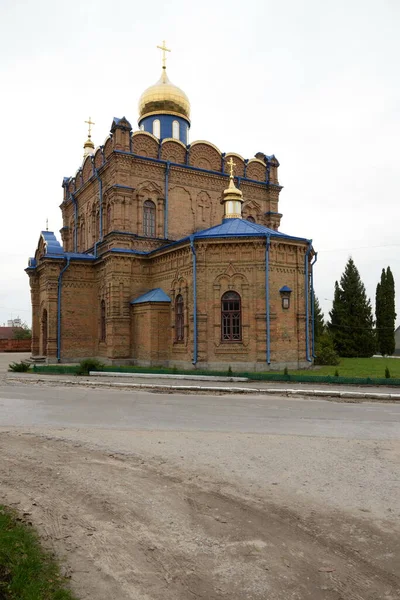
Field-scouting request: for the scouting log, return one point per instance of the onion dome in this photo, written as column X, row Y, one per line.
column 232, row 198
column 164, row 98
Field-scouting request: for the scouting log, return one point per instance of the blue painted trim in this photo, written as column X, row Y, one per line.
column 194, row 361
column 267, row 245
column 306, row 294
column 167, row 166
column 96, row 173
column 75, row 221
column 313, row 307
column 190, row 167
column 59, row 309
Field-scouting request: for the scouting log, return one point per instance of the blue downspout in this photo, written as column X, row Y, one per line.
column 100, row 211
column 75, row 222
column 194, row 361
column 59, row 310
column 306, row 293
column 313, row 307
column 267, row 245
column 167, row 166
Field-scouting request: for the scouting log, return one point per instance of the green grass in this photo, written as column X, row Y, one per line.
column 27, row 572
column 358, row 371
column 359, row 367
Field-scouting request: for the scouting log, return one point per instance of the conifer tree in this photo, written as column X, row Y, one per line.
column 385, row 313
column 319, row 324
column 351, row 321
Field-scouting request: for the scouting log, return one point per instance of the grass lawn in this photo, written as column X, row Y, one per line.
column 359, row 367
column 373, row 368
column 27, row 572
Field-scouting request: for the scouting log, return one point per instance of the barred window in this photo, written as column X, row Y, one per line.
column 149, row 218
column 231, row 317
column 179, row 319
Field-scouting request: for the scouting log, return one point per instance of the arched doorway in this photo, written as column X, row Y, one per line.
column 43, row 346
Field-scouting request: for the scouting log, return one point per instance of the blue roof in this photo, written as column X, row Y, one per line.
column 52, row 244
column 241, row 227
column 156, row 295
column 285, row 288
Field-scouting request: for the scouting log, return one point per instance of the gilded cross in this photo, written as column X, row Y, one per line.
column 90, row 123
column 164, row 56
column 231, row 164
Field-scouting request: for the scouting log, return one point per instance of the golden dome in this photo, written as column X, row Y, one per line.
column 164, row 97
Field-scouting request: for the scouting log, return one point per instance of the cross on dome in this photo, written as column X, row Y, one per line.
column 164, row 56
column 90, row 123
column 231, row 164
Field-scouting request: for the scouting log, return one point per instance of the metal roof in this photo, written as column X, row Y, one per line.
column 241, row 227
column 156, row 295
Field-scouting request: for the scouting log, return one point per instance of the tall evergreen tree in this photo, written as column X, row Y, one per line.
column 351, row 321
column 319, row 324
column 385, row 313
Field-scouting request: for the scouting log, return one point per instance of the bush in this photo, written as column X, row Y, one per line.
column 285, row 371
column 387, row 373
column 336, row 373
column 90, row 364
column 21, row 367
column 325, row 351
column 230, row 370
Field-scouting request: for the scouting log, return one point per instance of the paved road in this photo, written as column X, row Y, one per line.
column 25, row 405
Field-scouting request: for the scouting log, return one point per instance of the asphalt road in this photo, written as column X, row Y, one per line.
column 27, row 405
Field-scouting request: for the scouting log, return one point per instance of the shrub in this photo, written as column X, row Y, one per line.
column 21, row 367
column 336, row 373
column 230, row 370
column 325, row 351
column 285, row 371
column 387, row 373
column 90, row 364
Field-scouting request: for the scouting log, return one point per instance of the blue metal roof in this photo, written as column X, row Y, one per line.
column 285, row 288
column 241, row 227
column 52, row 244
column 156, row 295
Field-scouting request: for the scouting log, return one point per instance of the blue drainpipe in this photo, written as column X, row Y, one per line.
column 267, row 245
column 313, row 307
column 194, row 361
column 75, row 222
column 167, row 166
column 306, row 293
column 59, row 310
column 100, row 211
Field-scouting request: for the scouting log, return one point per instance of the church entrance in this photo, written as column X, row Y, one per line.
column 43, row 346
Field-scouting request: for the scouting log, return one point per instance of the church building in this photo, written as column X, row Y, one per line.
column 172, row 254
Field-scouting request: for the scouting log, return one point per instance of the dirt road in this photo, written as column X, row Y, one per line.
column 129, row 528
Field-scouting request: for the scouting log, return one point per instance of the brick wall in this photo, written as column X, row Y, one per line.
column 15, row 345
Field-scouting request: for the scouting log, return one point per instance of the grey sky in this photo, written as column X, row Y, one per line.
column 316, row 83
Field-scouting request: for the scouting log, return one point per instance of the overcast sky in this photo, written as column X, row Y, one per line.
column 314, row 82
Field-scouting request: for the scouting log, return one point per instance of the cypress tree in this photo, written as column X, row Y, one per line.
column 385, row 313
column 351, row 321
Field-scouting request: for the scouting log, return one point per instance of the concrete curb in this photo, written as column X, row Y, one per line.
column 167, row 376
column 349, row 395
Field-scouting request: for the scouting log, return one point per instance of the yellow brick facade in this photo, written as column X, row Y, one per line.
column 108, row 259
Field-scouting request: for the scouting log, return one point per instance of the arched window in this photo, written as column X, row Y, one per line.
column 231, row 317
column 175, row 130
column 251, row 219
column 149, row 218
column 156, row 128
column 102, row 321
column 187, row 135
column 179, row 319
column 109, row 218
column 44, row 333
column 142, row 128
